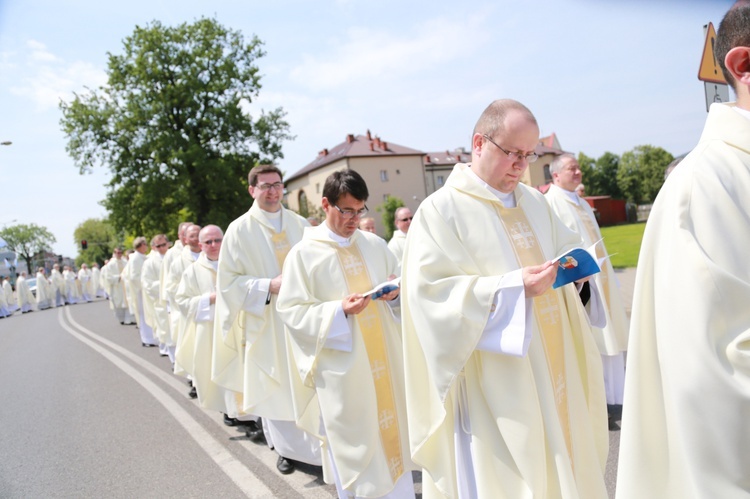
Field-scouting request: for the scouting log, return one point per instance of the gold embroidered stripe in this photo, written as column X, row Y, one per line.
column 547, row 311
column 358, row 281
column 281, row 247
column 594, row 236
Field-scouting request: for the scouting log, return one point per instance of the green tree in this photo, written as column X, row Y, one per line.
column 100, row 237
column 388, row 210
column 588, row 173
column 606, row 174
column 27, row 241
column 641, row 173
column 172, row 126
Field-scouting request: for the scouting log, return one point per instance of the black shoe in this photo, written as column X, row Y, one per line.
column 193, row 393
column 285, row 466
column 613, row 426
column 254, row 431
column 149, row 344
column 230, row 421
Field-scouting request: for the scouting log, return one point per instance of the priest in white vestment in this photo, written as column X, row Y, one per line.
column 72, row 295
column 188, row 255
column 87, row 288
column 196, row 297
column 96, row 281
column 8, row 292
column 4, row 309
column 44, row 298
column 58, row 286
column 402, row 218
column 348, row 346
column 174, row 252
column 249, row 279
column 578, row 216
column 504, row 382
column 113, row 275
column 687, row 386
column 132, row 275
column 154, row 308
column 24, row 298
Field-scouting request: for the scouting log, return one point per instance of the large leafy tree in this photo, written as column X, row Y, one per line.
column 27, row 240
column 171, row 125
column 588, row 173
column 641, row 173
column 101, row 239
column 606, row 175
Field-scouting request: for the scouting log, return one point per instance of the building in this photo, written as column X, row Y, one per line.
column 389, row 170
column 395, row 170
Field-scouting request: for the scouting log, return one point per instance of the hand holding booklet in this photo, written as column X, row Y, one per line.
column 577, row 264
column 384, row 288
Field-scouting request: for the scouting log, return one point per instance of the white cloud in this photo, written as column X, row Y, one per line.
column 46, row 78
column 368, row 53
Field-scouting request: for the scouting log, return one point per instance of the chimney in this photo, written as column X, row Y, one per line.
column 369, row 135
column 372, row 146
column 427, row 158
column 324, row 152
column 385, row 145
column 377, row 140
column 350, row 138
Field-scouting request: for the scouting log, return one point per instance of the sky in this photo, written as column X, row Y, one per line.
column 602, row 75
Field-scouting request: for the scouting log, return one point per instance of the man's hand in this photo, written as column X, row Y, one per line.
column 393, row 294
column 275, row 285
column 354, row 304
column 212, row 298
column 539, row 278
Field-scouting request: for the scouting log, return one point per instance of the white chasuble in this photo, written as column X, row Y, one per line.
column 360, row 391
column 580, row 218
column 538, row 423
column 254, row 359
column 687, row 386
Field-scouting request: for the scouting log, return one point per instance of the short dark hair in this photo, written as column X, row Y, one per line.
column 734, row 31
column 252, row 177
column 345, row 182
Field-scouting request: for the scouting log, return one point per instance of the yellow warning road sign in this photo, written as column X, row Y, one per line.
column 710, row 69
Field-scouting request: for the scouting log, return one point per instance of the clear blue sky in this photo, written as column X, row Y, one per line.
column 603, row 75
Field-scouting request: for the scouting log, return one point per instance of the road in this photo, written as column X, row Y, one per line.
column 87, row 411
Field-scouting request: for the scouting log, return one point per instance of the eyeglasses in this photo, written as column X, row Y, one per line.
column 347, row 214
column 161, row 245
column 530, row 157
column 212, row 241
column 276, row 185
column 407, row 219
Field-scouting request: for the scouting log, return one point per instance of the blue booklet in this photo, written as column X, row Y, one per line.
column 384, row 288
column 576, row 264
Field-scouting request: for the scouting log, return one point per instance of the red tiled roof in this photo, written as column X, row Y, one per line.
column 353, row 147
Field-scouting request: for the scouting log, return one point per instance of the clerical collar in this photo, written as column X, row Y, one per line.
column 508, row 199
column 344, row 242
column 213, row 263
column 195, row 255
column 571, row 194
column 274, row 218
column 743, row 112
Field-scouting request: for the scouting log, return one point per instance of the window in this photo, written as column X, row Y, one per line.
column 303, row 208
column 385, row 197
column 440, row 180
column 384, row 175
column 317, row 188
column 547, row 175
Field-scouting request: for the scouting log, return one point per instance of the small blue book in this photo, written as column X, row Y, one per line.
column 577, row 264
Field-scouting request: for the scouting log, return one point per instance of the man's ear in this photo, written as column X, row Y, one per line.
column 324, row 202
column 737, row 62
column 476, row 144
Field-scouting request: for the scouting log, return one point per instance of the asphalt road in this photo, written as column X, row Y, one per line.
column 86, row 411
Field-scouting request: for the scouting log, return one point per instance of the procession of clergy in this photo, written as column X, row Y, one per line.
column 60, row 288
column 475, row 371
